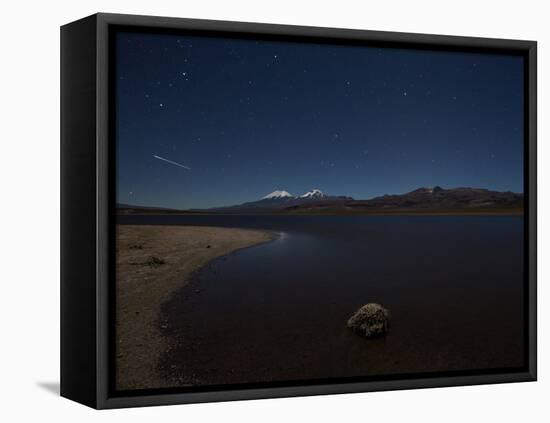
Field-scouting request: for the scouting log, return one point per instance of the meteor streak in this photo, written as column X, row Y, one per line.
column 171, row 162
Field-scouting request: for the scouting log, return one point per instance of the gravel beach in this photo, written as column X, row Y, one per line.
column 152, row 263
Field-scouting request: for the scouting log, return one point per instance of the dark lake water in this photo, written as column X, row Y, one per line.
column 278, row 311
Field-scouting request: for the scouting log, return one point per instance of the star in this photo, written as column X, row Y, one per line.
column 161, row 105
column 405, row 93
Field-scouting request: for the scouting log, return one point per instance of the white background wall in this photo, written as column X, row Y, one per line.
column 29, row 239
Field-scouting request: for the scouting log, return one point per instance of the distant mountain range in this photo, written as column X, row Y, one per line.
column 280, row 200
column 425, row 200
column 134, row 207
column 421, row 200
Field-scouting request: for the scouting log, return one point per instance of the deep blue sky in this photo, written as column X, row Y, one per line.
column 249, row 117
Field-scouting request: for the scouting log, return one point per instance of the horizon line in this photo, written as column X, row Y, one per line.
column 330, row 195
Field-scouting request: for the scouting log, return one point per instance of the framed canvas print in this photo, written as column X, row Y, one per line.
column 254, row 211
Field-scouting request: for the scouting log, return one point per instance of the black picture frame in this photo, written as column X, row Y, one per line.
column 87, row 201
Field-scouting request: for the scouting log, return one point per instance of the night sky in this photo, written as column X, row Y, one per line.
column 246, row 117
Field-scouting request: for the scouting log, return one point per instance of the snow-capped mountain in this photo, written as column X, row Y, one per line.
column 316, row 193
column 281, row 199
column 278, row 194
column 313, row 194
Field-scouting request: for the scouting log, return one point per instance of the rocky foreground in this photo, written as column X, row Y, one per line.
column 152, row 263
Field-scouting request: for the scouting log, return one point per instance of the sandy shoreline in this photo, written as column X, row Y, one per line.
column 152, row 263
